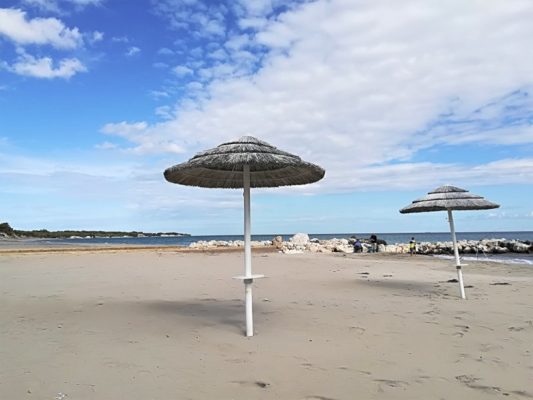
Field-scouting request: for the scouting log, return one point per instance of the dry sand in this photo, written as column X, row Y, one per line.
column 161, row 325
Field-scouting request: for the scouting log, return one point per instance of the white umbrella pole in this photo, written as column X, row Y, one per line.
column 456, row 253
column 248, row 279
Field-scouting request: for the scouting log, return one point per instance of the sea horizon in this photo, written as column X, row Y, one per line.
column 389, row 237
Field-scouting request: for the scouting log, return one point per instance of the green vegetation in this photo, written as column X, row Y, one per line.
column 6, row 230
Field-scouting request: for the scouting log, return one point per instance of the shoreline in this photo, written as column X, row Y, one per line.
column 125, row 248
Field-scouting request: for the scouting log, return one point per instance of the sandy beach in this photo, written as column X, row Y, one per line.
column 148, row 324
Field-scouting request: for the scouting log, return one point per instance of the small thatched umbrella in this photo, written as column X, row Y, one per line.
column 245, row 163
column 448, row 198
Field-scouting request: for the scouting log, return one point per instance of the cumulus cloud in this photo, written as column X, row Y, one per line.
column 181, row 70
column 45, row 68
column 15, row 26
column 199, row 19
column 145, row 140
column 106, row 146
column 407, row 176
column 97, row 36
column 132, row 51
column 366, row 85
column 164, row 51
column 120, row 39
column 58, row 6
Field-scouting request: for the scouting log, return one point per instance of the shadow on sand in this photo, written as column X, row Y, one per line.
column 209, row 311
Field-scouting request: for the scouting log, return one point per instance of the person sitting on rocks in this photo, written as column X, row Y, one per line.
column 357, row 246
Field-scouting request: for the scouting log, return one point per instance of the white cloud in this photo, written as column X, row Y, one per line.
column 44, row 67
column 132, row 51
column 406, row 176
column 85, row 3
column 158, row 94
column 44, row 5
column 51, row 31
column 181, row 71
column 199, row 19
column 164, row 112
column 145, row 140
column 58, row 6
column 97, row 36
column 120, row 39
column 164, row 51
column 125, row 129
column 160, row 65
column 357, row 85
column 106, row 146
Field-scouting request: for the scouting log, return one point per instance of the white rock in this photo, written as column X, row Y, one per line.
column 520, row 247
column 314, row 248
column 343, row 248
column 300, row 239
column 288, row 251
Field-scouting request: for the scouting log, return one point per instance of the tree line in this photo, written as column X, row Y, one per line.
column 6, row 229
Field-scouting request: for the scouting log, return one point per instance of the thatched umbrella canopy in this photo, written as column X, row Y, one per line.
column 448, row 198
column 223, row 166
column 245, row 163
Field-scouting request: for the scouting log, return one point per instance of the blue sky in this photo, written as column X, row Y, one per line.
column 98, row 97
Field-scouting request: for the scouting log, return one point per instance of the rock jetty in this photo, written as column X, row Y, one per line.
column 301, row 242
column 213, row 244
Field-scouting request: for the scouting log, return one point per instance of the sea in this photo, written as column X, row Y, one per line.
column 390, row 238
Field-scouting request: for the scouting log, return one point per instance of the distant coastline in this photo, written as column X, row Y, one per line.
column 7, row 232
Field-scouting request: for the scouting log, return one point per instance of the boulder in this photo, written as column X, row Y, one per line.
column 292, row 251
column 343, row 248
column 300, row 239
column 500, row 250
column 277, row 242
column 315, row 248
column 520, row 247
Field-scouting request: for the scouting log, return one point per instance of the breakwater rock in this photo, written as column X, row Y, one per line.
column 301, row 242
column 213, row 244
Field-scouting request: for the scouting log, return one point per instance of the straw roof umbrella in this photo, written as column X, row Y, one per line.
column 244, row 163
column 448, row 198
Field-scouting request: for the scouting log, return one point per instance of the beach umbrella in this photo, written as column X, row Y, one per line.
column 449, row 198
column 244, row 163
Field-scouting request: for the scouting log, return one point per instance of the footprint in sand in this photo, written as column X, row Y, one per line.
column 528, row 325
column 259, row 384
column 471, row 382
column 358, row 330
column 463, row 329
column 393, row 383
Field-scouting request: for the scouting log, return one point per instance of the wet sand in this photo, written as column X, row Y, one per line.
column 150, row 324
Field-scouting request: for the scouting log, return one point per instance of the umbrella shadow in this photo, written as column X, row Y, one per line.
column 209, row 311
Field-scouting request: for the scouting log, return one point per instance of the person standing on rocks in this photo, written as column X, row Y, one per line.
column 412, row 246
column 373, row 243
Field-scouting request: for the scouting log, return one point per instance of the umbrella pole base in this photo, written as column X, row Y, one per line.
column 249, row 310
column 248, row 281
column 461, row 283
